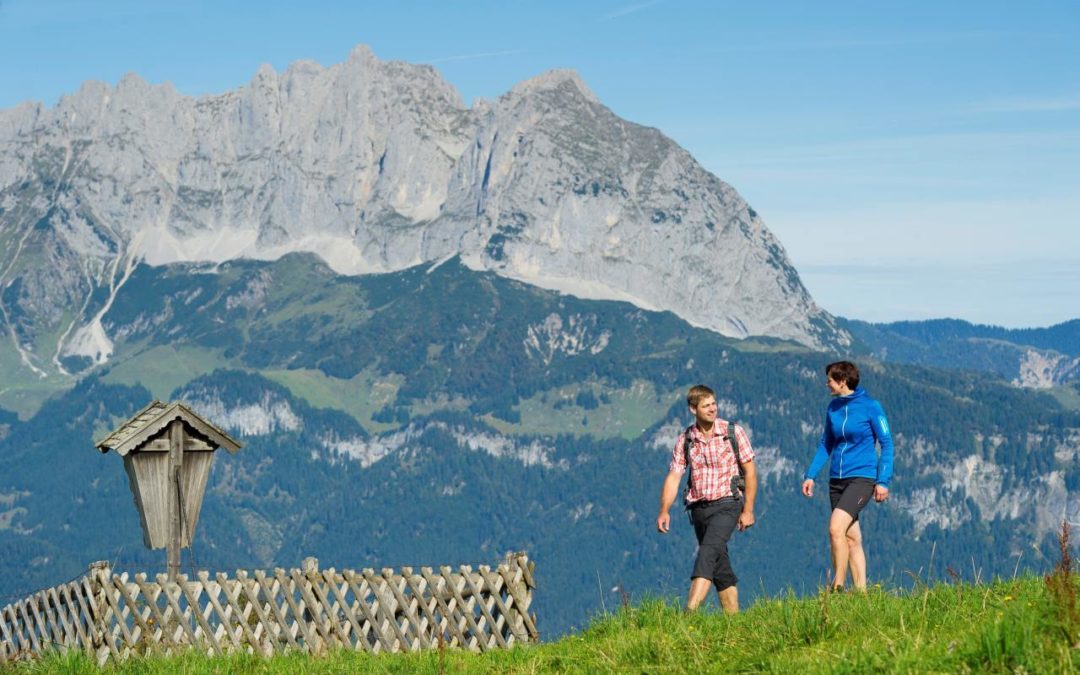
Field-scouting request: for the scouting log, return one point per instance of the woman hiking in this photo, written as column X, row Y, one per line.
column 854, row 425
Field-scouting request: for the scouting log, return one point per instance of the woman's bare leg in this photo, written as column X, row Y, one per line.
column 839, row 523
column 856, row 556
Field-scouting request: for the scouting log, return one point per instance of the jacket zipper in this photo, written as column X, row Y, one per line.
column 843, row 438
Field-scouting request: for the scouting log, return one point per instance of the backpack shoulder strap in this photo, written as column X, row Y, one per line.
column 733, row 438
column 688, row 443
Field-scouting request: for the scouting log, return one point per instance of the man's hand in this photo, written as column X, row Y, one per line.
column 808, row 487
column 746, row 520
column 881, row 493
column 663, row 522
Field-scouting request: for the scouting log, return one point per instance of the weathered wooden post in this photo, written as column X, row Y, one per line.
column 99, row 576
column 168, row 451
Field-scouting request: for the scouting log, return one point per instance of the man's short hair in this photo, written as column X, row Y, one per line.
column 696, row 393
column 845, row 372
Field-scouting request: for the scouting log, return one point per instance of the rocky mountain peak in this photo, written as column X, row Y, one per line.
column 554, row 80
column 374, row 166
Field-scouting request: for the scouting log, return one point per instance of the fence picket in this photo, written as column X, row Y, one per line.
column 10, row 644
column 494, row 584
column 313, row 609
column 80, row 613
column 518, row 590
column 157, row 632
column 350, row 615
column 416, row 588
column 61, row 611
column 449, row 625
column 195, row 608
column 288, row 590
column 385, row 610
column 465, row 607
column 177, row 617
column 484, row 609
column 410, row 620
column 120, row 626
column 146, row 630
column 279, row 613
column 326, row 602
column 28, row 626
column 351, row 579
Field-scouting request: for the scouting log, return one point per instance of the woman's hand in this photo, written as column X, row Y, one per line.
column 808, row 487
column 881, row 493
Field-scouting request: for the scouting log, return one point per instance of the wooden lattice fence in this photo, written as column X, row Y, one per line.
column 309, row 610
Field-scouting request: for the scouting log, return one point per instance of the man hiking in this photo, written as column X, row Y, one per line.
column 718, row 452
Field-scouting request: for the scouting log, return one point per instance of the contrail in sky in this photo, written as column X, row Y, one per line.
column 630, row 9
column 478, row 55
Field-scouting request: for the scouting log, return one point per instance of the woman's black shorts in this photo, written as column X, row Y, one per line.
column 850, row 494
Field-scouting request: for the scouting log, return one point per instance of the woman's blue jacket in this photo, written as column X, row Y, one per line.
column 852, row 425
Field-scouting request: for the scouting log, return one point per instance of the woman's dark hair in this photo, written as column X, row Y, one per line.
column 845, row 372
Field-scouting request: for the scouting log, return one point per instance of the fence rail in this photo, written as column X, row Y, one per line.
column 115, row 615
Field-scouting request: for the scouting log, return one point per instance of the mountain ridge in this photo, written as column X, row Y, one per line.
column 374, row 166
column 1036, row 358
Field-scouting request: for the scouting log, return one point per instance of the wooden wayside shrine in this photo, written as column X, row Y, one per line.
column 168, row 451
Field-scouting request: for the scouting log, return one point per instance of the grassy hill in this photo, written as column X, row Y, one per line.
column 1028, row 624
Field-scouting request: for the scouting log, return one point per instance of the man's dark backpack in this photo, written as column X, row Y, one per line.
column 738, row 482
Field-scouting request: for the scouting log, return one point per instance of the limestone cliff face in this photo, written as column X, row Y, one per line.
column 1043, row 369
column 375, row 166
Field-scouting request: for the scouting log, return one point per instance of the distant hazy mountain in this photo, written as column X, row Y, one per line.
column 374, row 166
column 1029, row 357
column 441, row 415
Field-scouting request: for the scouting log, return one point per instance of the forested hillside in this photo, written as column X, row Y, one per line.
column 442, row 415
column 1034, row 357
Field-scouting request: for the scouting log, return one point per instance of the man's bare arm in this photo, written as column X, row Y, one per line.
column 668, row 492
column 746, row 518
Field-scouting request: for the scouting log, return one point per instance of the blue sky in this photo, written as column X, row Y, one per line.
column 917, row 159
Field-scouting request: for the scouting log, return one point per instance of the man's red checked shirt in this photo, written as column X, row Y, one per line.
column 712, row 461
